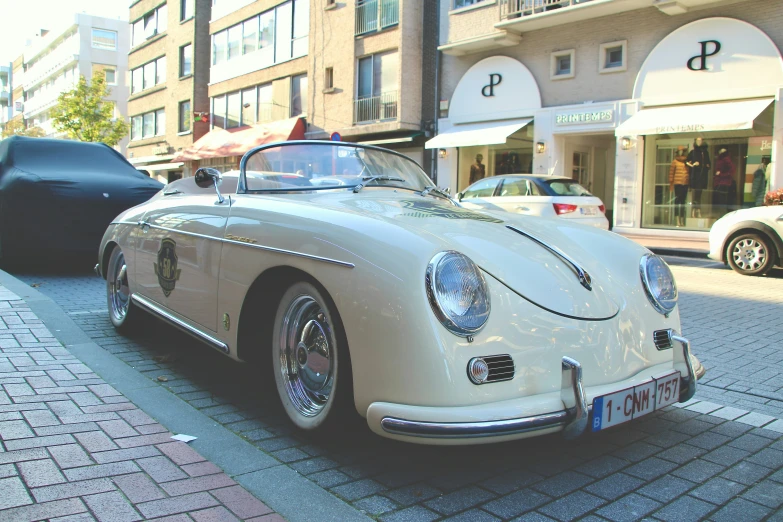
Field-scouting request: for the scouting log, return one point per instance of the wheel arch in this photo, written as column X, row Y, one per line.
column 753, row 227
column 262, row 299
column 105, row 255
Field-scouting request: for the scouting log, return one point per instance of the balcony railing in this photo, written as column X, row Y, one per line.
column 376, row 108
column 374, row 15
column 518, row 8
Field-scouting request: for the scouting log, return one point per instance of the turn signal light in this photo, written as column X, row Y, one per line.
column 602, row 208
column 563, row 208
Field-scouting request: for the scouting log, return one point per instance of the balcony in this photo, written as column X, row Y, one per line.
column 376, row 15
column 376, row 108
column 65, row 54
column 5, row 97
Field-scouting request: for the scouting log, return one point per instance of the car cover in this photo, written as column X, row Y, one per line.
column 59, row 196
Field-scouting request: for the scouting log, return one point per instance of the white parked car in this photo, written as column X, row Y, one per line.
column 749, row 240
column 536, row 195
column 383, row 297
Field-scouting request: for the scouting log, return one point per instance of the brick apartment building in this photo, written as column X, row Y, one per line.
column 168, row 76
column 311, row 68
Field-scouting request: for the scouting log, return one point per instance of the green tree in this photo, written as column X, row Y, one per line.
column 83, row 114
column 17, row 128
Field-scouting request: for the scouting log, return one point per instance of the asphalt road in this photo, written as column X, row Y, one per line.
column 705, row 461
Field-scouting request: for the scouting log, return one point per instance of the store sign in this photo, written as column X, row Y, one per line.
column 581, row 117
column 710, row 60
column 495, row 88
column 704, row 55
column 160, row 150
column 668, row 129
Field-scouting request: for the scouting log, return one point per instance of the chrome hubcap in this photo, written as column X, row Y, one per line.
column 749, row 254
column 119, row 293
column 307, row 356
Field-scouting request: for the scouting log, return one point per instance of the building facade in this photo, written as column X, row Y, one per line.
column 168, row 76
column 667, row 110
column 6, row 90
column 318, row 70
column 83, row 46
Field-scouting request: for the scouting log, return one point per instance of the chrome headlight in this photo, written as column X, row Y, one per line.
column 457, row 292
column 658, row 283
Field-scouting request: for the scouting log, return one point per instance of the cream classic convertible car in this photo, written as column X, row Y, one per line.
column 366, row 289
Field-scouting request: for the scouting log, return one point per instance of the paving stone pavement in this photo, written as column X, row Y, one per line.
column 708, row 459
column 73, row 448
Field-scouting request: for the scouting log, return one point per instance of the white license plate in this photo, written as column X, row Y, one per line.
column 624, row 405
column 587, row 211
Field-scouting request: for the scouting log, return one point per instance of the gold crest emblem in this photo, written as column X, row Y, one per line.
column 166, row 267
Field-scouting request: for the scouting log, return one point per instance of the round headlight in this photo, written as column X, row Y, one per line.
column 457, row 293
column 658, row 283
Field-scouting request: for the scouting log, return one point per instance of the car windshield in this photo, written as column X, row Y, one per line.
column 328, row 165
column 566, row 187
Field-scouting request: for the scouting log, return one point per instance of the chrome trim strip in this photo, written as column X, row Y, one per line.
column 195, row 332
column 572, row 393
column 458, row 430
column 97, row 270
column 683, row 357
column 134, row 223
column 584, row 278
column 249, row 245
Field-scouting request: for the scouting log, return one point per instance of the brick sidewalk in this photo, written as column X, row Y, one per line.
column 73, row 448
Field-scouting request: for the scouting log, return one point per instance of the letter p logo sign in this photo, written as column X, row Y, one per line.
column 704, row 55
column 489, row 90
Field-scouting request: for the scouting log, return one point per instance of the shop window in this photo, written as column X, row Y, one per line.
column 691, row 180
column 562, row 65
column 103, row 39
column 611, row 57
column 184, row 116
column 513, row 157
column 185, row 60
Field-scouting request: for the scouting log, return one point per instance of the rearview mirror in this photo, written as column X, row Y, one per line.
column 206, row 177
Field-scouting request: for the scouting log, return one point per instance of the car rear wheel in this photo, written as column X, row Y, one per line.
column 750, row 254
column 310, row 359
column 121, row 311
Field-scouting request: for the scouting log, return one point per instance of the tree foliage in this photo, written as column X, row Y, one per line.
column 17, row 128
column 83, row 114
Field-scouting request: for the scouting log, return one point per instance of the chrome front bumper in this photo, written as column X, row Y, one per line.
column 573, row 419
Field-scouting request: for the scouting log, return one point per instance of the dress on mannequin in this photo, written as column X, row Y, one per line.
column 698, row 163
column 678, row 181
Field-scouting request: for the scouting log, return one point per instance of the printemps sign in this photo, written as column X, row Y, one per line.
column 576, row 118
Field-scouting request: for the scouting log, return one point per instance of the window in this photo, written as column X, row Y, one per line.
column 152, row 23
column 136, row 128
column 219, row 45
column 186, row 9
column 234, row 109
column 562, row 65
column 184, row 116
column 234, row 41
column 249, row 106
column 108, row 72
column 250, row 35
column 518, row 187
column 611, row 57
column 148, row 125
column 301, row 27
column 219, row 112
column 329, row 78
column 298, row 95
column 111, row 76
column 482, row 189
column 148, row 75
column 376, row 95
column 283, row 30
column 160, row 122
column 265, row 104
column 185, row 60
column 266, row 37
column 103, row 39
column 464, row 3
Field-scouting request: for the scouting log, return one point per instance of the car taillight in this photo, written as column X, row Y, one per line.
column 563, row 208
column 602, row 208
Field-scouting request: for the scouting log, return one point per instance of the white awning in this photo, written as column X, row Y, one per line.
column 705, row 117
column 161, row 166
column 471, row 134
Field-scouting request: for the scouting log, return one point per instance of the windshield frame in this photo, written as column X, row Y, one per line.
column 242, row 187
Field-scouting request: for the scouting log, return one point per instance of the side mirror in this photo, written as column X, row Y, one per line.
column 459, row 196
column 207, row 177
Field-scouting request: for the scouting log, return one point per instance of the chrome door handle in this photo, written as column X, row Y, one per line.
column 522, row 208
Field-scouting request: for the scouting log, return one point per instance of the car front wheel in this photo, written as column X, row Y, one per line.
column 310, row 359
column 750, row 254
column 121, row 311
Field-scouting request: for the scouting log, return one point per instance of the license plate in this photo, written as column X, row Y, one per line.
column 587, row 211
column 631, row 403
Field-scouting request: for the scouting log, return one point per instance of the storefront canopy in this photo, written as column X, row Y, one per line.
column 160, row 166
column 471, row 134
column 222, row 143
column 704, row 117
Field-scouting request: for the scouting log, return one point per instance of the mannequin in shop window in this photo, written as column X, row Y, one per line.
column 723, row 181
column 759, row 187
column 678, row 182
column 698, row 169
column 477, row 170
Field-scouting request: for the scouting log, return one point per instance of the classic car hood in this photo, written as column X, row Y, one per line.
column 525, row 266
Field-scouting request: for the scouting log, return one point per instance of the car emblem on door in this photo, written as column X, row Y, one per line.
column 166, row 267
